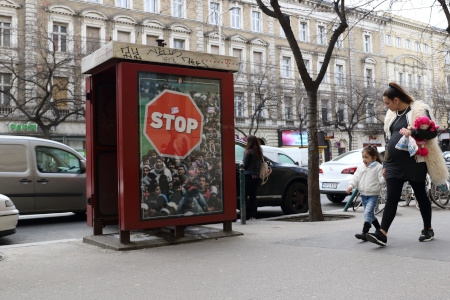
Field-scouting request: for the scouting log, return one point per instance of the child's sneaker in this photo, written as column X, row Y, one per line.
column 361, row 236
column 427, row 235
column 377, row 238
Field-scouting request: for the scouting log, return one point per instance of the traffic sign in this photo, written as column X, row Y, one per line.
column 173, row 124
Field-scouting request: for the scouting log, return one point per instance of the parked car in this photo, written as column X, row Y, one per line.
column 9, row 215
column 278, row 155
column 42, row 176
column 286, row 187
column 299, row 155
column 334, row 175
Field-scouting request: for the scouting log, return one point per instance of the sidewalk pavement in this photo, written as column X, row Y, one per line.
column 270, row 260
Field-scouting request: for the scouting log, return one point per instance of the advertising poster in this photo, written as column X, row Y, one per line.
column 180, row 146
column 294, row 138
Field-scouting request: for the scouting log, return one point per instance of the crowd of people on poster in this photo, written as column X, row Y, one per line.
column 176, row 186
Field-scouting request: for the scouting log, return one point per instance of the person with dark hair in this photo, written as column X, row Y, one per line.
column 252, row 164
column 399, row 166
column 368, row 178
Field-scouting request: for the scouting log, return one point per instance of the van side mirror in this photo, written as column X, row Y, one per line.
column 297, row 163
column 82, row 166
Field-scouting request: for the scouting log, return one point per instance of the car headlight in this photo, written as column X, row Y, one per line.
column 9, row 203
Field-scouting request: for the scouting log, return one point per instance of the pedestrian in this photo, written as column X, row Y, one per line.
column 368, row 178
column 252, row 164
column 400, row 167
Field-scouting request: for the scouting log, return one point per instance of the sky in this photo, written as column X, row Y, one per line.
column 426, row 11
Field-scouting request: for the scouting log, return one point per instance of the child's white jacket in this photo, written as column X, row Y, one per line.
column 368, row 180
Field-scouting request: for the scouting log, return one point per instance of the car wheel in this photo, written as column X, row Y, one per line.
column 295, row 199
column 335, row 198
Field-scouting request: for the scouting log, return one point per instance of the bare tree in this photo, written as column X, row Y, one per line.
column 441, row 103
column 47, row 89
column 311, row 87
column 445, row 8
column 264, row 98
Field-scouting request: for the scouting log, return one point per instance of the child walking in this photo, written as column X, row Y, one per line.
column 368, row 179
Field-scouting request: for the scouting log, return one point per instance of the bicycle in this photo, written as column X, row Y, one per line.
column 381, row 202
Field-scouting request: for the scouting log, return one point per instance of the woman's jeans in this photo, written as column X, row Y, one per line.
column 369, row 203
column 394, row 192
column 251, row 185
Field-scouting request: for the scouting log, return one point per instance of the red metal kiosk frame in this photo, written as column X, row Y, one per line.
column 117, row 133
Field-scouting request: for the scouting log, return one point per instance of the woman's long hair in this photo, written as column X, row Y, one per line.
column 395, row 90
column 253, row 143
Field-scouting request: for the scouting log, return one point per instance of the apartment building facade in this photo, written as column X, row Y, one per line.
column 269, row 93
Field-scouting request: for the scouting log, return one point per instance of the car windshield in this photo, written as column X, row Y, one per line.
column 349, row 157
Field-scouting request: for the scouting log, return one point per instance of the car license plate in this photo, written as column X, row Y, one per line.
column 329, row 185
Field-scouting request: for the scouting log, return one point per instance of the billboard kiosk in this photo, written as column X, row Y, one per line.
column 159, row 138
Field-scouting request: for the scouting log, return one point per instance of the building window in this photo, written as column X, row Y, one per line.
column 59, row 37
column 257, row 62
column 214, row 13
column 419, row 82
column 371, row 114
column 340, row 115
column 400, row 78
column 448, row 83
column 236, row 17
column 306, row 64
column 151, row 40
column 398, row 42
column 410, row 81
column 177, row 8
column 238, row 105
column 5, row 31
column 340, row 41
column 256, row 21
column 339, row 74
column 287, row 108
column 324, row 113
column 5, row 86
column 59, row 92
column 417, row 46
column 388, row 40
column 122, row 3
column 447, row 58
column 282, row 33
column 321, row 35
column 238, row 53
column 369, row 77
column 123, row 36
column 367, row 43
column 408, row 44
column 92, row 39
column 151, row 6
column 286, row 67
column 303, row 31
column 178, row 44
column 214, row 49
column 425, row 48
column 325, row 77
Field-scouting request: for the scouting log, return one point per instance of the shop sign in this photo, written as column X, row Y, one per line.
column 23, row 127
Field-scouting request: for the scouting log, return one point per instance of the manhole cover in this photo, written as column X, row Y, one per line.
column 305, row 218
column 2, row 257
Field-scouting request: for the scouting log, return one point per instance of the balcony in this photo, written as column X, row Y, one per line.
column 5, row 110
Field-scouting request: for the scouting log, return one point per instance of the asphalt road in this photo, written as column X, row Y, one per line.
column 66, row 226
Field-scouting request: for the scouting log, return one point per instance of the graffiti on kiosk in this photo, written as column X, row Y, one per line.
column 131, row 53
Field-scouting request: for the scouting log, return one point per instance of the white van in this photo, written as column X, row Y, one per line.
column 299, row 155
column 42, row 176
column 278, row 155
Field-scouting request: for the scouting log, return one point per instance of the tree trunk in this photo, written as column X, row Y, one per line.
column 315, row 207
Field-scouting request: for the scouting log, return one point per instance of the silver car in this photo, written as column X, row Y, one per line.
column 334, row 175
column 42, row 176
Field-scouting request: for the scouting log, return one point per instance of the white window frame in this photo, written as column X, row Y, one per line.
column 256, row 22
column 425, row 48
column 398, row 42
column 408, row 44
column 417, row 46
column 339, row 74
column 4, row 84
column 326, row 77
column 369, row 81
column 367, row 42
column 124, row 28
column 62, row 19
column 321, row 34
column 8, row 28
column 124, row 3
column 178, row 8
column 236, row 17
column 262, row 67
column 152, row 6
column 239, row 110
column 242, row 59
column 286, row 66
column 288, row 115
column 448, row 83
column 175, row 41
column 447, row 57
column 95, row 1
column 214, row 13
column 88, row 22
column 400, row 78
column 388, row 40
column 303, row 32
column 419, row 82
column 371, row 119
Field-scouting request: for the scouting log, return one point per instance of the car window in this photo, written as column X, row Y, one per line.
column 349, row 157
column 282, row 158
column 238, row 152
column 52, row 160
column 13, row 158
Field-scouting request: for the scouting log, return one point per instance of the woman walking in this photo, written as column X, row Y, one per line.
column 252, row 164
column 399, row 166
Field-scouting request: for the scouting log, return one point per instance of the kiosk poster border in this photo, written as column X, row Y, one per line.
column 141, row 97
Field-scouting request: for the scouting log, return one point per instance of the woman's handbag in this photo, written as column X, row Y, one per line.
column 264, row 171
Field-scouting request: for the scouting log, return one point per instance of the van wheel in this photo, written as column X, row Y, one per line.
column 336, row 198
column 295, row 199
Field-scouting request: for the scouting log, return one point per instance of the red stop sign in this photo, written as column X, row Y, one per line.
column 173, row 124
